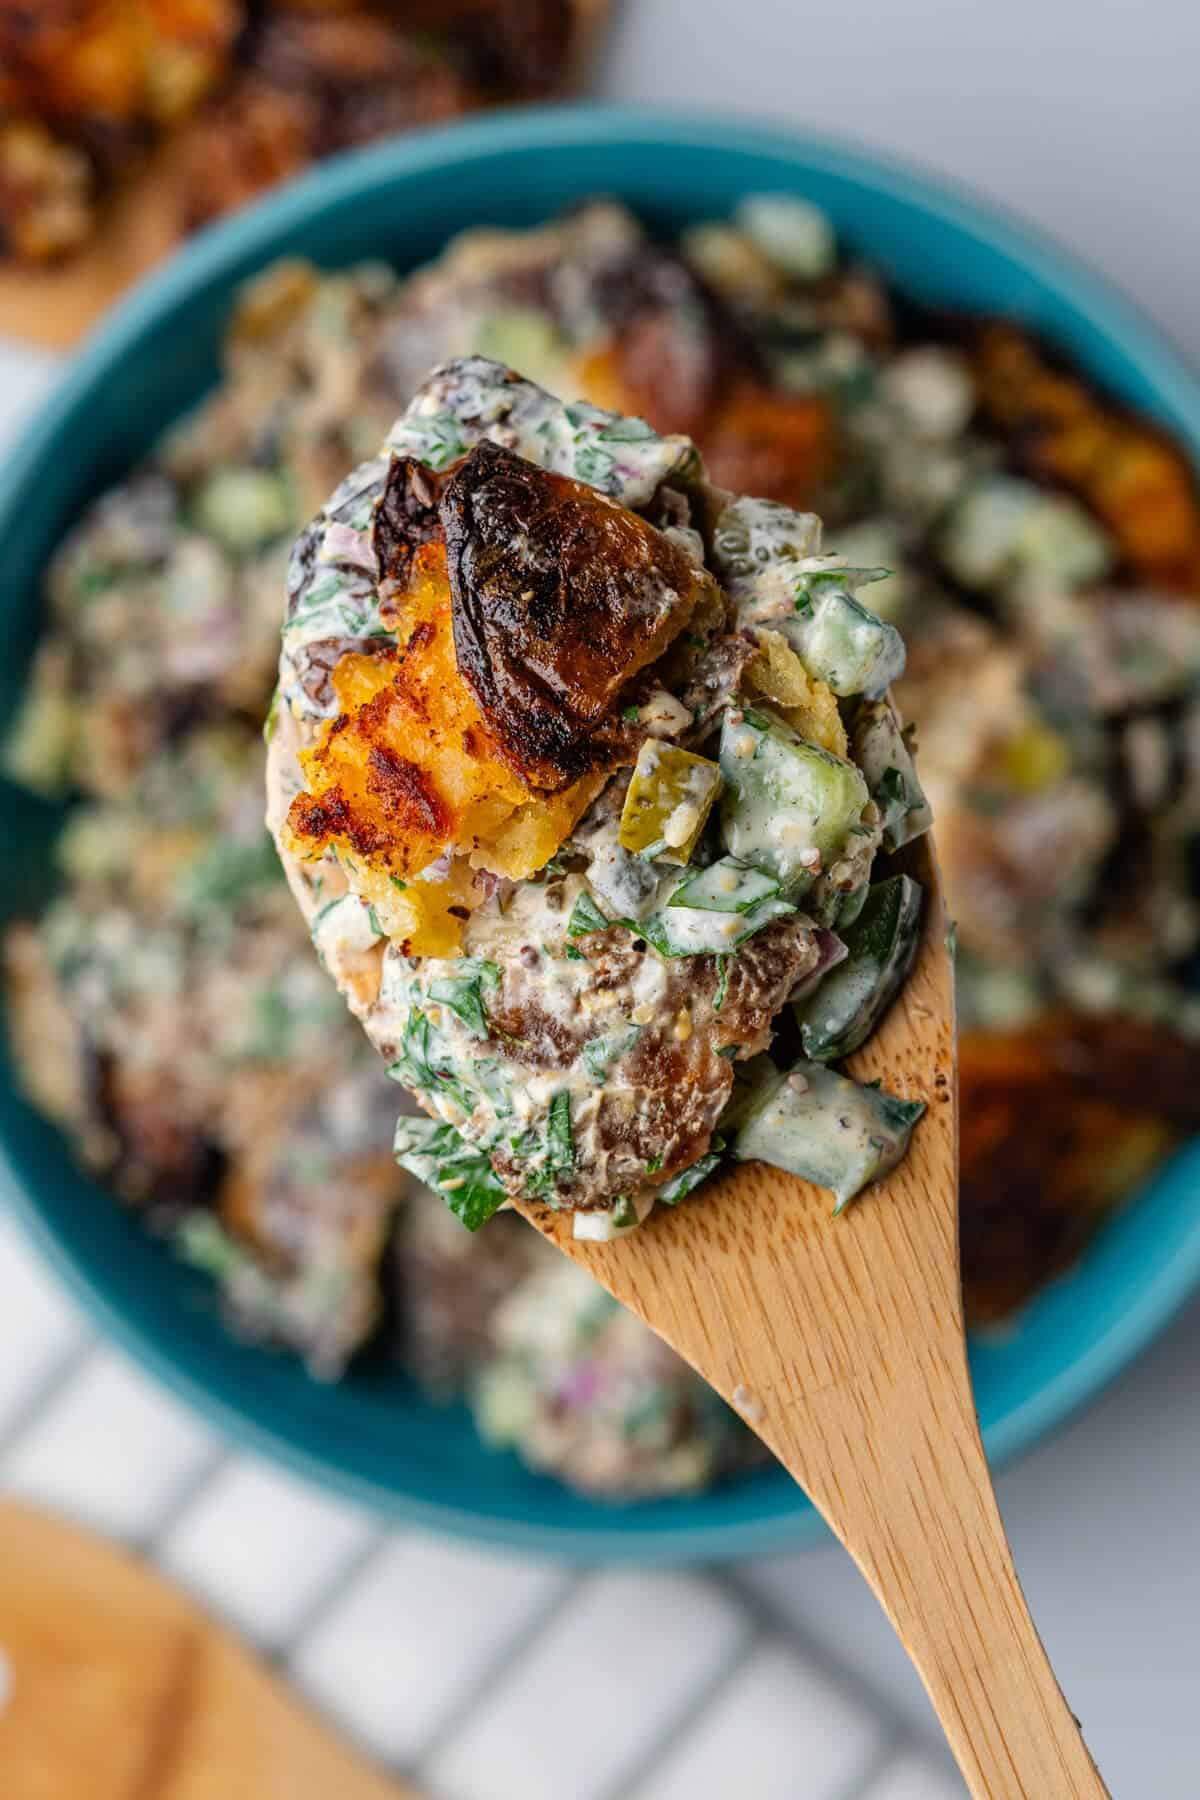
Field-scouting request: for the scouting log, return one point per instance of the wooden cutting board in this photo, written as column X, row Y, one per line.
column 55, row 307
column 114, row 1686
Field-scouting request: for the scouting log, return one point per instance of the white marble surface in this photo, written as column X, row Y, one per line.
column 1085, row 117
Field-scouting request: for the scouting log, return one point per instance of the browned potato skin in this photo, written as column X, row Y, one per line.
column 1060, row 1123
column 561, row 599
column 93, row 85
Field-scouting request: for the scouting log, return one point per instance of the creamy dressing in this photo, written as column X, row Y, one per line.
column 475, row 398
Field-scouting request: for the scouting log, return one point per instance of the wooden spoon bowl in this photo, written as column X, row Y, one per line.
column 841, row 1342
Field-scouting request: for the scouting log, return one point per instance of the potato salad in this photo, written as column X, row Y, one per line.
column 581, row 769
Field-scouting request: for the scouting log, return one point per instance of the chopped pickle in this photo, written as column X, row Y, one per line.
column 670, row 796
column 1034, row 757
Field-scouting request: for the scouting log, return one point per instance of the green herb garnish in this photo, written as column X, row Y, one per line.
column 673, row 1191
column 463, row 993
column 585, row 916
column 624, row 1212
column 460, row 1172
column 723, row 965
column 560, row 1141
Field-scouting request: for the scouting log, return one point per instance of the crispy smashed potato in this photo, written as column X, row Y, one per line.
column 1133, row 478
column 779, row 446
column 46, row 192
column 755, row 440
column 87, row 86
column 451, row 790
column 1061, row 1122
column 115, row 63
column 809, row 707
column 259, row 89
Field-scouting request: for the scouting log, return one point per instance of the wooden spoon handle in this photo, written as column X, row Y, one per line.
column 920, row 1518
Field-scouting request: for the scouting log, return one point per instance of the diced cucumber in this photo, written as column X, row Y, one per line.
column 769, row 560
column 525, row 339
column 244, row 508
column 753, row 536
column 667, row 802
column 792, row 233
column 727, row 886
column 882, row 752
column 844, row 1009
column 828, row 906
column 826, row 1129
column 789, row 806
column 840, row 641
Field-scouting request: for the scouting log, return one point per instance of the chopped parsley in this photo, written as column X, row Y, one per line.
column 463, row 994
column 585, row 916
column 419, row 1066
column 723, row 964
column 594, row 465
column 560, row 1141
column 553, row 1159
column 460, row 1172
column 892, row 789
column 673, row 1191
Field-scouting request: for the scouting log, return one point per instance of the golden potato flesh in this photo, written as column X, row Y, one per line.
column 408, row 770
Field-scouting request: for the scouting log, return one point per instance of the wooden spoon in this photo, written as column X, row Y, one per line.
column 841, row 1341
column 113, row 1686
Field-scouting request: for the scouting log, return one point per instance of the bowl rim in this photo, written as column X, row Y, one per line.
column 216, row 253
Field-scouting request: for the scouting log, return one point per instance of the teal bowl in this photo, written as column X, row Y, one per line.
column 373, row 1438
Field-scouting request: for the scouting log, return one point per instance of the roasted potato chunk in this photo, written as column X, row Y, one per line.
column 1060, row 1124
column 409, row 769
column 1131, row 475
